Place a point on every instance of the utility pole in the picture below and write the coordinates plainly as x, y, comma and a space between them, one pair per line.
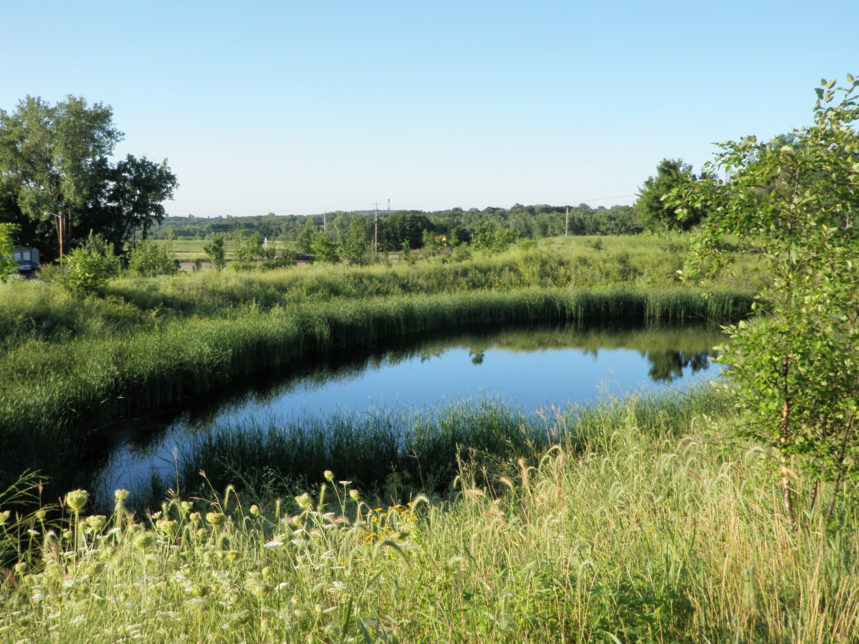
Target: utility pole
376, 227
325, 221
60, 230
389, 205
566, 221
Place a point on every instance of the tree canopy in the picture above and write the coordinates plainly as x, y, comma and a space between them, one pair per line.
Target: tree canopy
651, 208
793, 201
56, 159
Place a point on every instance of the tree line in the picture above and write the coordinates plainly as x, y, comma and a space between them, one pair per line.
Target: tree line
411, 226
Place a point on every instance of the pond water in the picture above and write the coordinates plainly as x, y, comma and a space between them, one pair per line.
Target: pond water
532, 368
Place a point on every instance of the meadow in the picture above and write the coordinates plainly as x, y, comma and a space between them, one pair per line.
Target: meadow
636, 519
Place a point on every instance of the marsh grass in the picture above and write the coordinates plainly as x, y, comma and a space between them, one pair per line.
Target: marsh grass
646, 523
56, 395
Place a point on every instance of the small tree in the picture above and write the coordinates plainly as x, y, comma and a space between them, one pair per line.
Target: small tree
651, 208
89, 267
149, 258
8, 267
214, 250
251, 249
797, 363
324, 249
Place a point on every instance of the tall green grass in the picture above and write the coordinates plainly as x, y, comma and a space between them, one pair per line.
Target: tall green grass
53, 395
647, 522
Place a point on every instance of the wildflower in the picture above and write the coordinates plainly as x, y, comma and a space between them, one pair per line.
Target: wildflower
20, 568
215, 518
187, 505
4, 516
200, 590
144, 540
254, 510
166, 526
274, 543
120, 495
355, 495
76, 499
303, 501
329, 475
96, 522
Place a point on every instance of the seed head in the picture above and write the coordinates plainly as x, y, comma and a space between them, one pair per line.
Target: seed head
215, 518
144, 540
76, 499
96, 522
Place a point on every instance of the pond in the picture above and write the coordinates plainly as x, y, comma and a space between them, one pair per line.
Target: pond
532, 368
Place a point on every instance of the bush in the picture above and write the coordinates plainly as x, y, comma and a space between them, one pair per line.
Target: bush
149, 258
89, 267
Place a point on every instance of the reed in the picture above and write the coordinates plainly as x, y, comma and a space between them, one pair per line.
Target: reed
55, 394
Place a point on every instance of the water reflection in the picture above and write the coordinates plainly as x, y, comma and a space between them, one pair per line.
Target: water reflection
531, 367
668, 366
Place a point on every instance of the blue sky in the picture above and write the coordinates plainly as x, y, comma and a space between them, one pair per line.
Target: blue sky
300, 107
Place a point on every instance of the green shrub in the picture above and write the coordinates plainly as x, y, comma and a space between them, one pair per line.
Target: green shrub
89, 267
150, 259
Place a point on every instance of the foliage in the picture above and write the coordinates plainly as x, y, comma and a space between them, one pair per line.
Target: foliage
492, 235
651, 207
794, 204
251, 249
407, 227
56, 158
324, 249
357, 247
89, 267
150, 259
8, 266
214, 250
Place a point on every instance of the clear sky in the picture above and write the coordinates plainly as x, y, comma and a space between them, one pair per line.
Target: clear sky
299, 107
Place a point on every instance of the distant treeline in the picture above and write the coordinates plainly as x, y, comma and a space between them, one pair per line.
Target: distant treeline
413, 226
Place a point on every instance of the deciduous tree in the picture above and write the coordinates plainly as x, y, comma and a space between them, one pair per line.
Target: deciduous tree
56, 159
793, 202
